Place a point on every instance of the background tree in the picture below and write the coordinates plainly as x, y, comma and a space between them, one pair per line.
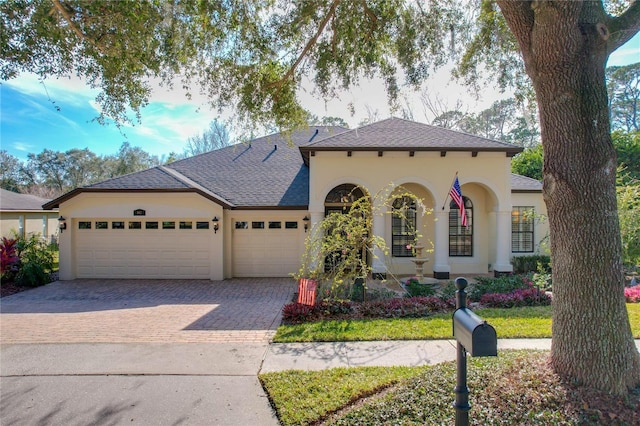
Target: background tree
442, 113
49, 166
9, 171
627, 147
215, 137
629, 214
81, 168
314, 120
623, 85
528, 162
132, 159
252, 56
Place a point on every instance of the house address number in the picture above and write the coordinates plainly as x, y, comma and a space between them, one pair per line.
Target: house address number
139, 212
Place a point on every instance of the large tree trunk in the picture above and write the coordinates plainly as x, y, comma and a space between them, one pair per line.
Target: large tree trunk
565, 57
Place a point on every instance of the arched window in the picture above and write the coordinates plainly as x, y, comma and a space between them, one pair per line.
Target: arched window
340, 198
460, 237
403, 227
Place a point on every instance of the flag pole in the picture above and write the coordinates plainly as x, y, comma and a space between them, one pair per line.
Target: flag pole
450, 186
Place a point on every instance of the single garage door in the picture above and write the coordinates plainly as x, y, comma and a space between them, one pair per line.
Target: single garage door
124, 248
266, 248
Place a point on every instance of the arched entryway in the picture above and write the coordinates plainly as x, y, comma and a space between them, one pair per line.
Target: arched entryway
342, 200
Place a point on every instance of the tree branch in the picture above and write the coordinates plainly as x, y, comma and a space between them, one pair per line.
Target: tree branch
310, 44
624, 27
67, 17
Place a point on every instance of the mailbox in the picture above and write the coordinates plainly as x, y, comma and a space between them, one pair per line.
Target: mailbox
474, 334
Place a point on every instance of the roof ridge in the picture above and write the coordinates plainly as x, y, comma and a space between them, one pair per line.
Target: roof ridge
193, 184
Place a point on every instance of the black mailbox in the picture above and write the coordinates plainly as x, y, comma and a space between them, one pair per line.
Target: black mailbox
474, 334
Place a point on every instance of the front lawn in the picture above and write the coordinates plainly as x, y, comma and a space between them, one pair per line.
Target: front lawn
515, 388
525, 322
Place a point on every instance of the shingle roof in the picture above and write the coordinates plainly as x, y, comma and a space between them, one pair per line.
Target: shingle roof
397, 134
20, 202
269, 172
521, 183
265, 172
155, 178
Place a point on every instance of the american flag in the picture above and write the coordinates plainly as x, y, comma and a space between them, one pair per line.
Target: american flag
456, 196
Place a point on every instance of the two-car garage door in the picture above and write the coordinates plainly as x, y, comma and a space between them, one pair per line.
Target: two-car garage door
182, 248
155, 248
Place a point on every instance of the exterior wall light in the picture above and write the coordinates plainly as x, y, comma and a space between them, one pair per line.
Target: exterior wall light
215, 224
62, 223
306, 223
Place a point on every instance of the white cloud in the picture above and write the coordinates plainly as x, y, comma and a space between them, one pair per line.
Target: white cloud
23, 146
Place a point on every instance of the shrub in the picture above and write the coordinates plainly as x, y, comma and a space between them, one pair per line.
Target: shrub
412, 307
36, 261
632, 294
9, 259
533, 263
515, 299
542, 281
414, 288
329, 307
503, 284
295, 313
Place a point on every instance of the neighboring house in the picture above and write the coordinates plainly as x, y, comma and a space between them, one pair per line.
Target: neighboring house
240, 211
22, 214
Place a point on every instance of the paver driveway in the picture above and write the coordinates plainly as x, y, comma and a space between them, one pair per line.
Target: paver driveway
121, 311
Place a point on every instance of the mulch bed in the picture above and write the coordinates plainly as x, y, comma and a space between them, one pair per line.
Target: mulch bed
9, 288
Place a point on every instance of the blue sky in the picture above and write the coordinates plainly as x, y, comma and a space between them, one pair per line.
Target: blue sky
58, 114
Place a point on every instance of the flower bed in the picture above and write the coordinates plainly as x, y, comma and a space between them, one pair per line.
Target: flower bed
409, 307
504, 292
632, 294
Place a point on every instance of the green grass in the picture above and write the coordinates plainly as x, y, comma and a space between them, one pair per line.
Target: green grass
529, 322
302, 397
515, 388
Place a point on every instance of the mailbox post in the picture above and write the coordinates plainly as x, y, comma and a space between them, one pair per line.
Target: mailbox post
474, 336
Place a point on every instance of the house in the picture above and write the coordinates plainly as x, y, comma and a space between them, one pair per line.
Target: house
245, 210
22, 214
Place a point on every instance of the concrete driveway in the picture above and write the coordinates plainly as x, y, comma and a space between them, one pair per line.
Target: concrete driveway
116, 352
126, 311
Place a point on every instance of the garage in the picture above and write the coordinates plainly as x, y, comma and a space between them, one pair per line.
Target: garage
266, 248
149, 248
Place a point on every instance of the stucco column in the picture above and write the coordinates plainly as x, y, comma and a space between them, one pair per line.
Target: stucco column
441, 268
66, 267
315, 233
503, 243
377, 263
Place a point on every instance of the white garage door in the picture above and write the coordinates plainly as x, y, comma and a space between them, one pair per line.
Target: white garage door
266, 248
117, 248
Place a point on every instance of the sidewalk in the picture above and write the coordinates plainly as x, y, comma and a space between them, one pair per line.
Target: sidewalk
319, 356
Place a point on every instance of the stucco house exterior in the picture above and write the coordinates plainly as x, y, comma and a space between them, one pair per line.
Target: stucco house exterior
245, 210
22, 214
